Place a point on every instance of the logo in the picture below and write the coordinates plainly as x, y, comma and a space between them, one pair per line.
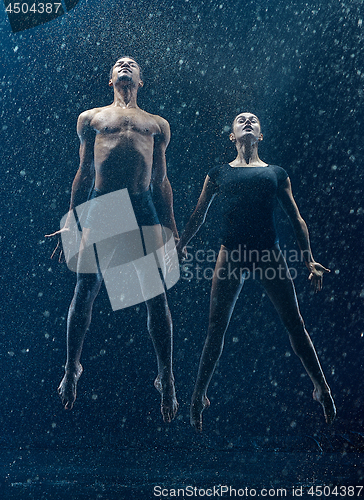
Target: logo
29, 14
137, 262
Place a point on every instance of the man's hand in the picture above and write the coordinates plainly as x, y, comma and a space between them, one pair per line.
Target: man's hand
58, 249
317, 272
181, 251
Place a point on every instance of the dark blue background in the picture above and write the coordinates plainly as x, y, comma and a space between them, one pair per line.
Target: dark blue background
299, 66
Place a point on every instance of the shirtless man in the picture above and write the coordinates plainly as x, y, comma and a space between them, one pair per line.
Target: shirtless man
121, 147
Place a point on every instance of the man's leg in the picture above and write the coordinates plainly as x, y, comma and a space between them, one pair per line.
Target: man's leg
89, 279
78, 321
159, 321
160, 329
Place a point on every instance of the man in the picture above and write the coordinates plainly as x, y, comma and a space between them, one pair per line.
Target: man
122, 147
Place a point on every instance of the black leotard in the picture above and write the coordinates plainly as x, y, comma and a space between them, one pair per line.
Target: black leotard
248, 197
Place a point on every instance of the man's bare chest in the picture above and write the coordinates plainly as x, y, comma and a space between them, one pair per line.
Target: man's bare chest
109, 122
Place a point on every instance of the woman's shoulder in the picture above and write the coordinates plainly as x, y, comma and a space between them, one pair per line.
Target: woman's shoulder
215, 172
280, 172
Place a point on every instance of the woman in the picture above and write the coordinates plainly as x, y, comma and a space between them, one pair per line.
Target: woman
250, 189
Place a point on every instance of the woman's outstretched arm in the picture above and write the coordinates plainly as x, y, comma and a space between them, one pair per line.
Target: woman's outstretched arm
289, 205
198, 217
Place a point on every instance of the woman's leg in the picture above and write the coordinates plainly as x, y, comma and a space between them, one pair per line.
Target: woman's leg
226, 286
279, 286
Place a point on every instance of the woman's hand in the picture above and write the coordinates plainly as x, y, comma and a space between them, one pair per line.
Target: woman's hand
59, 243
317, 272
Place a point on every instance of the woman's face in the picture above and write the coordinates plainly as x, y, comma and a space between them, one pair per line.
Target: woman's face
246, 125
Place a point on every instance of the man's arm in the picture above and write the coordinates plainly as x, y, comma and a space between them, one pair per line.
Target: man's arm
84, 177
161, 187
198, 217
289, 205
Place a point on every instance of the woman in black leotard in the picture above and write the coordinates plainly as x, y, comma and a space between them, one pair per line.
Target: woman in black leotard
249, 190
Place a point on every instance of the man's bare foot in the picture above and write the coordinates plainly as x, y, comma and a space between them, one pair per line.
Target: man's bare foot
327, 403
197, 407
169, 403
68, 387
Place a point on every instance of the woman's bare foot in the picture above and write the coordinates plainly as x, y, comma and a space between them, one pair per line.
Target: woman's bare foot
169, 403
68, 387
327, 403
198, 405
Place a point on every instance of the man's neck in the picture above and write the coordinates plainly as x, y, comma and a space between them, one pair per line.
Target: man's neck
126, 97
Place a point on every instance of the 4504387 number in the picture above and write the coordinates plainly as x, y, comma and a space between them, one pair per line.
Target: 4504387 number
33, 8
337, 491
